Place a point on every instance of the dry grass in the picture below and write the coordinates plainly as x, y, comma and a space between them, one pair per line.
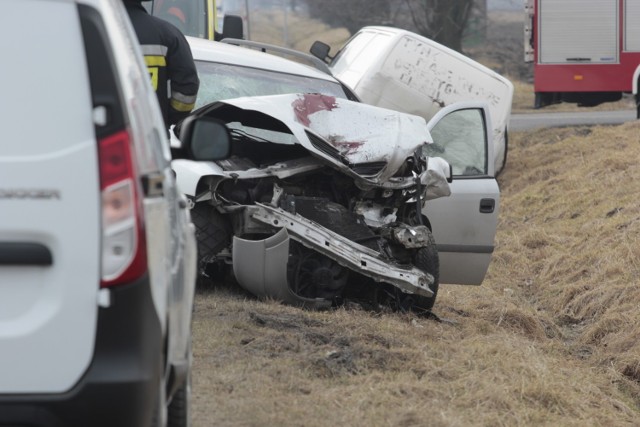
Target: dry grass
523, 101
550, 338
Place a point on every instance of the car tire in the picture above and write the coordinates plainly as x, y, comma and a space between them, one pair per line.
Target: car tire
213, 233
426, 259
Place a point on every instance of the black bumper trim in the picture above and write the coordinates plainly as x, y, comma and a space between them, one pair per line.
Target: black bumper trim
120, 386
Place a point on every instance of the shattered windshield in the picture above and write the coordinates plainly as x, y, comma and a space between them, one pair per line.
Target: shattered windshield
225, 81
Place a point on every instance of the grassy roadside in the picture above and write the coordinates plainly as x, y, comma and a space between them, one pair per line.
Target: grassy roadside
550, 338
523, 101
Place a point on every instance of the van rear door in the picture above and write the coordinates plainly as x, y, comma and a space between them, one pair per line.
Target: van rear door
49, 201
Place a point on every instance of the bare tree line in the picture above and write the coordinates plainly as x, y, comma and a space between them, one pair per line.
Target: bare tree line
445, 21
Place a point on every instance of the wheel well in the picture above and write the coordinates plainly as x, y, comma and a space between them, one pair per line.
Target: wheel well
506, 151
425, 221
201, 187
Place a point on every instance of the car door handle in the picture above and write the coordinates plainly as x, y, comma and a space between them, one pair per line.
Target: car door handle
24, 253
487, 205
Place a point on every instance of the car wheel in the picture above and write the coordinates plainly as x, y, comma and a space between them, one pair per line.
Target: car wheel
313, 275
213, 233
426, 259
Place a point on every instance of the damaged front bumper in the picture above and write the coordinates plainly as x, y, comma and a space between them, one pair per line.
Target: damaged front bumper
260, 266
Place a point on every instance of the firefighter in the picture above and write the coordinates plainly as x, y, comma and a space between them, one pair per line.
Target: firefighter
169, 61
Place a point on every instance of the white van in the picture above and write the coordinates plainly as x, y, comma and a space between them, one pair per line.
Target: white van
403, 71
97, 250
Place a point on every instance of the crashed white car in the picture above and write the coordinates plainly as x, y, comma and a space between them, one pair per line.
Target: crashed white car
463, 224
322, 198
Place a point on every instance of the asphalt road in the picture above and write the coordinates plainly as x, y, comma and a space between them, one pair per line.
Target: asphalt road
520, 122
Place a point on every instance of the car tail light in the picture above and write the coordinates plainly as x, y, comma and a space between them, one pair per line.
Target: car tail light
123, 240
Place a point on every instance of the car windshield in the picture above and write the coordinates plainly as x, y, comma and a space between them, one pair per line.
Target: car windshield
225, 81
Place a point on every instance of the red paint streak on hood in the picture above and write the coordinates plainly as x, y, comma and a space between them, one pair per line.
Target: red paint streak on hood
345, 147
350, 147
312, 103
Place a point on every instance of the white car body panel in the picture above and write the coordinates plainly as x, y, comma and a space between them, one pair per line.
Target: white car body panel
210, 51
189, 173
403, 71
464, 234
360, 132
353, 130
38, 302
48, 200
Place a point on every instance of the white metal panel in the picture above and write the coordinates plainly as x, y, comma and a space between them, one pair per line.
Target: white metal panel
361, 133
210, 51
578, 31
632, 26
48, 313
362, 52
464, 233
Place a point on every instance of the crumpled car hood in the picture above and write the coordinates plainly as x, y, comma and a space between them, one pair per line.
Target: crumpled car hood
360, 133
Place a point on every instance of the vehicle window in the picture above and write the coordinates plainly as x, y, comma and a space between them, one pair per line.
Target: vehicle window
460, 139
225, 81
190, 16
360, 52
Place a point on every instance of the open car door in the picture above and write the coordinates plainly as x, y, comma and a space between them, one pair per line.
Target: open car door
464, 224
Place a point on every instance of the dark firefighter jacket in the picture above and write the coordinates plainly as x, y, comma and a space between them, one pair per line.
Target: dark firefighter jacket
169, 61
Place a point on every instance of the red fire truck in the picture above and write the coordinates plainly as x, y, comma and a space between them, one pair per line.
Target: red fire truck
584, 51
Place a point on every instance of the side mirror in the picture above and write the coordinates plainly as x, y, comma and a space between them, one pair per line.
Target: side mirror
232, 27
205, 138
320, 50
